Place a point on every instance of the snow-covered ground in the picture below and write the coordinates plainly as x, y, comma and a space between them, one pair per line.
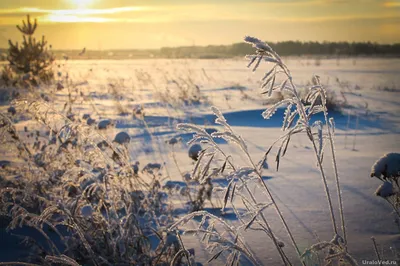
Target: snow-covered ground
371, 87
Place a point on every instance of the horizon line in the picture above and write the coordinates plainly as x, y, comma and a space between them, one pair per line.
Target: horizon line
208, 45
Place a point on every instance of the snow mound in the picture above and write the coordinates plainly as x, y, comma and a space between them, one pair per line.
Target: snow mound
122, 138
104, 124
194, 151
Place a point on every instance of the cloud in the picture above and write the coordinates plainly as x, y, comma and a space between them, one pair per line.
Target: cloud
12, 16
339, 18
251, 11
338, 1
24, 10
391, 4
16, 12
74, 19
169, 19
9, 16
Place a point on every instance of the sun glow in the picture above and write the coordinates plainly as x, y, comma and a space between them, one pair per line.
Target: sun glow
80, 4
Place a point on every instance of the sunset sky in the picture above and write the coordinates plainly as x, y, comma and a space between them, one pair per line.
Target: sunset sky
124, 24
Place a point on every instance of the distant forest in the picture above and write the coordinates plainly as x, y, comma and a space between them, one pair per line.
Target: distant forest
287, 48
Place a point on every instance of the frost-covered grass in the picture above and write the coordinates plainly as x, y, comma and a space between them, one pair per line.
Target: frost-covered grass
297, 117
94, 171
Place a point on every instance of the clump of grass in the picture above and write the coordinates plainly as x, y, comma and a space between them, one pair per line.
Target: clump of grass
180, 92
180, 89
115, 88
89, 204
196, 193
214, 162
332, 102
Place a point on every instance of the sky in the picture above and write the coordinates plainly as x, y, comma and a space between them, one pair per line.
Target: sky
149, 24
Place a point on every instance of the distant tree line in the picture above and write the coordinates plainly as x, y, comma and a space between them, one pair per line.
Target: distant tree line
287, 48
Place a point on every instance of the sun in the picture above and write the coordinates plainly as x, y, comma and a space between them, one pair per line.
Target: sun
81, 4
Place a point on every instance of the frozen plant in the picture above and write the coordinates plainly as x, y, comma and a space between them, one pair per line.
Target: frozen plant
152, 168
297, 120
297, 116
387, 169
385, 190
71, 188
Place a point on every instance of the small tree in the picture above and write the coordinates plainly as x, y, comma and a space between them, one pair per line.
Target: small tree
33, 56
